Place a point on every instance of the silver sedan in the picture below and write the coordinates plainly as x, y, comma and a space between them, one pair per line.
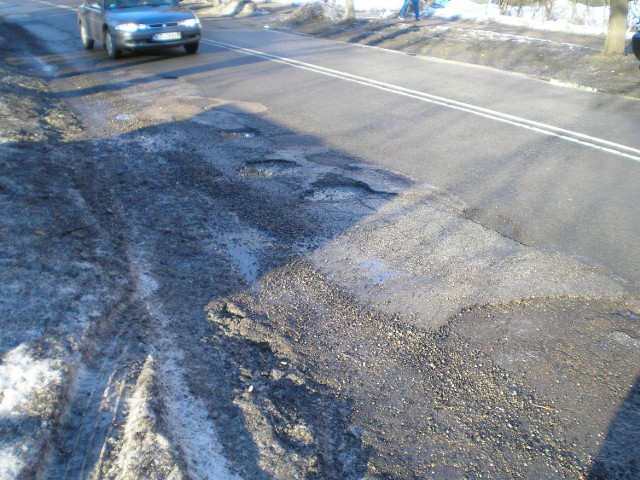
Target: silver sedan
138, 25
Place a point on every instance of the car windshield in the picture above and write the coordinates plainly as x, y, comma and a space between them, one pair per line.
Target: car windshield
139, 3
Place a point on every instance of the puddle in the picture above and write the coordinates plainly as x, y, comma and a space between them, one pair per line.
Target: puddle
243, 250
265, 168
244, 259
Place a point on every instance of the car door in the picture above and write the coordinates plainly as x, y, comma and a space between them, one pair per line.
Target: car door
94, 13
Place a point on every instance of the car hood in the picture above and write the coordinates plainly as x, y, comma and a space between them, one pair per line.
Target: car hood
149, 15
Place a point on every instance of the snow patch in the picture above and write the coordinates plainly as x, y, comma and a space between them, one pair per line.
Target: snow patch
147, 285
21, 376
27, 396
10, 465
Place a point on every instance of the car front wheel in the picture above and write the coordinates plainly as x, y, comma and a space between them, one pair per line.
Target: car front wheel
110, 45
87, 41
191, 47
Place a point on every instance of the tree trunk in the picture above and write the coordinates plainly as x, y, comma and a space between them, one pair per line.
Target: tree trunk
349, 11
615, 41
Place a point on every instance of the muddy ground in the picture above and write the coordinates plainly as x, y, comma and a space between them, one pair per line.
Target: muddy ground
193, 292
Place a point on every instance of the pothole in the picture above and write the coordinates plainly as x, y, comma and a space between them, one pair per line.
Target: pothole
333, 194
265, 168
624, 339
335, 187
239, 133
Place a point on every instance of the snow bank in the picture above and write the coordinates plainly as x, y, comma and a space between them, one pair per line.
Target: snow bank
564, 16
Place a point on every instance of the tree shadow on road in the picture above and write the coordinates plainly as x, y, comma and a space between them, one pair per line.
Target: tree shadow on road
168, 215
619, 456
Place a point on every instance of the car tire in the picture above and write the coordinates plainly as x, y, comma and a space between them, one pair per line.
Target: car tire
87, 41
110, 45
191, 48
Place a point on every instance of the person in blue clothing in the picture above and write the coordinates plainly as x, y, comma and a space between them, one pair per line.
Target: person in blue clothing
635, 45
416, 9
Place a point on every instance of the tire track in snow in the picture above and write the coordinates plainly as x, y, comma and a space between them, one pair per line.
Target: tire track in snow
186, 417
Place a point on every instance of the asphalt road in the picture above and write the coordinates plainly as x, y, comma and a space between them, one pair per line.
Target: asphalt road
561, 166
358, 322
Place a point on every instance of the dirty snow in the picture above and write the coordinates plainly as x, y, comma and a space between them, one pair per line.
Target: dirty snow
23, 380
20, 376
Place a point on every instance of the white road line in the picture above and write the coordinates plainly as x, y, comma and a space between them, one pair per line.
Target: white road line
542, 128
538, 127
56, 5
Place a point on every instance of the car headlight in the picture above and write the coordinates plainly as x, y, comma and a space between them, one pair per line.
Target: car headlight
130, 27
192, 22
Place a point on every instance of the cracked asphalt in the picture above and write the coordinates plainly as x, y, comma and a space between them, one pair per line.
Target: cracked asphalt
196, 292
